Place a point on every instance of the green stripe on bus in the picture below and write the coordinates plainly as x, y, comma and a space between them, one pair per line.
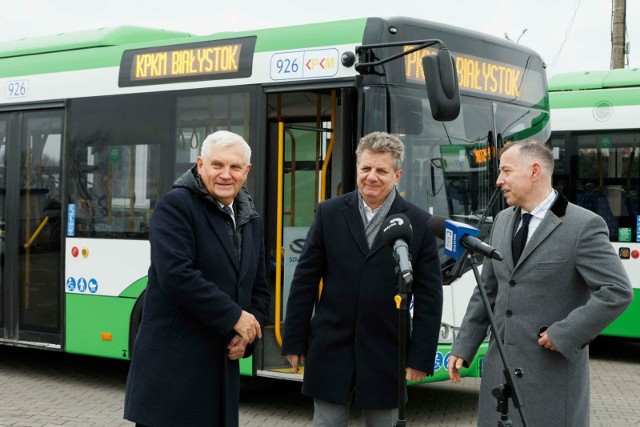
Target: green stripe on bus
589, 98
586, 89
246, 366
103, 37
627, 324
84, 58
92, 319
538, 126
587, 80
135, 289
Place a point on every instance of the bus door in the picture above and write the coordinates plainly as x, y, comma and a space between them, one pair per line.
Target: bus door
310, 159
30, 227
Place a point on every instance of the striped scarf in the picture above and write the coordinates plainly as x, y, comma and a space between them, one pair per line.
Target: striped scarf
371, 228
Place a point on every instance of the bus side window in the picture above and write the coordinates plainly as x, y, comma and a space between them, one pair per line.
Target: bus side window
115, 175
593, 199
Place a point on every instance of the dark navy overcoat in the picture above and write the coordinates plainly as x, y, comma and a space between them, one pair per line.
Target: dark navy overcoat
180, 374
352, 341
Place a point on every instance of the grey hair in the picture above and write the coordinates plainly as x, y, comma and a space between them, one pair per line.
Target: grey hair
534, 150
223, 138
382, 142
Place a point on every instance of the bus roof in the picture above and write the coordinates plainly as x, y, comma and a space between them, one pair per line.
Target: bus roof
103, 48
111, 50
102, 37
585, 80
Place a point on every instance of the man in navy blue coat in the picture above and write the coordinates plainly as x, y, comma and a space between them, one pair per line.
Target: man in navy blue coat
350, 348
206, 298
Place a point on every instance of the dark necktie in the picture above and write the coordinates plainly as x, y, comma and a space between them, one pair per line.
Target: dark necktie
235, 233
520, 238
229, 212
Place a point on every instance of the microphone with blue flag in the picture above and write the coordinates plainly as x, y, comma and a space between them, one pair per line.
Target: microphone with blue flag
459, 237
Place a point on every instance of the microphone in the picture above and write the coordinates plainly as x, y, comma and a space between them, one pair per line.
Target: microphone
457, 235
397, 232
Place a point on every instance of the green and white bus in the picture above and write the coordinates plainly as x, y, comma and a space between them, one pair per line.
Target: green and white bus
596, 141
95, 127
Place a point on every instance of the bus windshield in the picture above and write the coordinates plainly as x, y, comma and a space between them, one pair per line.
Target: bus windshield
450, 167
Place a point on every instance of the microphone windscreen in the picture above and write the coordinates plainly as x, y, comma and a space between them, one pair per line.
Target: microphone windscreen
436, 225
396, 227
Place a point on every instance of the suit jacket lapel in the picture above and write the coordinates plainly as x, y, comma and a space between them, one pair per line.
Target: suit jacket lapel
352, 216
551, 221
504, 237
219, 227
247, 245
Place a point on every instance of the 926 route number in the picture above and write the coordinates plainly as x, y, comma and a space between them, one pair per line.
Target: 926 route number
17, 89
287, 65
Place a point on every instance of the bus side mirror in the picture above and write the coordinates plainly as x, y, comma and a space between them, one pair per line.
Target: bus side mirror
442, 85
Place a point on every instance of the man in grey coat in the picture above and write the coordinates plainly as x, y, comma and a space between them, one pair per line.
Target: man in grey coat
566, 287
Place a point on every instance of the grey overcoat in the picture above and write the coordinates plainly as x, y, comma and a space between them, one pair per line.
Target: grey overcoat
568, 280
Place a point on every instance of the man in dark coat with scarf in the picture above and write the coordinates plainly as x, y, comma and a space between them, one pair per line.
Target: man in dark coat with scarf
350, 347
206, 298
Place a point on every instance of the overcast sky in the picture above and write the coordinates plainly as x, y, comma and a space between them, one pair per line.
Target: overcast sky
571, 35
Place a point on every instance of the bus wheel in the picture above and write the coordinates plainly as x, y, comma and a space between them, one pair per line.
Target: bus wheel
134, 324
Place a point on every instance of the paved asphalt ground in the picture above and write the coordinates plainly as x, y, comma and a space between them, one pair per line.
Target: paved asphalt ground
39, 388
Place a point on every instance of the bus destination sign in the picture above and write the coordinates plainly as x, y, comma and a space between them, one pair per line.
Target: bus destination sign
208, 60
475, 74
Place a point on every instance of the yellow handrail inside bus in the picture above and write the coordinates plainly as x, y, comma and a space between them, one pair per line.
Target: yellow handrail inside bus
325, 164
35, 233
27, 246
292, 180
279, 250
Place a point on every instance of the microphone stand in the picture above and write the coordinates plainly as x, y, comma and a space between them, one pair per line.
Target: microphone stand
509, 389
402, 304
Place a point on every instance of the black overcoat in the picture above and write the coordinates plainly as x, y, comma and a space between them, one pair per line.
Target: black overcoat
351, 343
180, 374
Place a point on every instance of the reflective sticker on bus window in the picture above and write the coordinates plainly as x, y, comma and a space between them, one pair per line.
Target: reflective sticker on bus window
71, 220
